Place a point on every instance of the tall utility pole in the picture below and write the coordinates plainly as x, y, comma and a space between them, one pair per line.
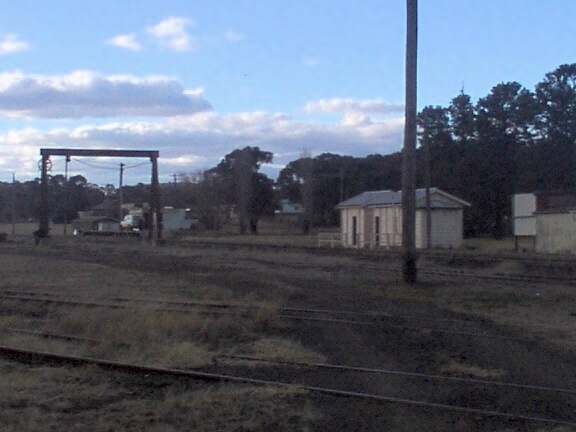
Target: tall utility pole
120, 196
409, 270
67, 195
13, 203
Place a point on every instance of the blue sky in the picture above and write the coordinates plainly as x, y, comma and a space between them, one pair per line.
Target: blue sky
198, 79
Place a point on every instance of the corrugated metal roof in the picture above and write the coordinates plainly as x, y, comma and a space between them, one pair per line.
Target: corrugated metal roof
387, 197
372, 198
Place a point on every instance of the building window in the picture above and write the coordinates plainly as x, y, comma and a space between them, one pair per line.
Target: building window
377, 230
354, 231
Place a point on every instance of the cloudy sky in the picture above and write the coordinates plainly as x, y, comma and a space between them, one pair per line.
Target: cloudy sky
196, 79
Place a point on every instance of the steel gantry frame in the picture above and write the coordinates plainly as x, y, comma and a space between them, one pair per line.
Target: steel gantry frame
155, 210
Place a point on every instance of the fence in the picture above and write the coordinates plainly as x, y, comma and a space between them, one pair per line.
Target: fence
329, 239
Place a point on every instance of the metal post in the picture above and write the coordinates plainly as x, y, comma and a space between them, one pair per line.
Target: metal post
120, 196
155, 203
67, 196
44, 212
13, 203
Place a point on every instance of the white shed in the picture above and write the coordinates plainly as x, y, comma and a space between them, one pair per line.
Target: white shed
556, 221
108, 225
175, 219
374, 219
523, 208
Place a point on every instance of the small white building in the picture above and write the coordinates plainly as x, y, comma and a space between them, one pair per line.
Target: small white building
555, 216
523, 208
175, 219
374, 219
108, 225
523, 217
289, 208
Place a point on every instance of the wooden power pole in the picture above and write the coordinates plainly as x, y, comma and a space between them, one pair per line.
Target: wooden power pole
409, 270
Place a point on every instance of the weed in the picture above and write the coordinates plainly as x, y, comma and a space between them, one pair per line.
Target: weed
463, 369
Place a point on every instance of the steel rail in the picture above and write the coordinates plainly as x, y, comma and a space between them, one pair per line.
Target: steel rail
376, 257
28, 356
33, 296
340, 367
400, 373
282, 316
24, 295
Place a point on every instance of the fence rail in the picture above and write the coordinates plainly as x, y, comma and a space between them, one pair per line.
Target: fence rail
329, 239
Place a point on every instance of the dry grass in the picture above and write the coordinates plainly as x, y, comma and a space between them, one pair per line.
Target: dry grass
143, 335
468, 370
51, 398
260, 281
277, 349
547, 311
218, 409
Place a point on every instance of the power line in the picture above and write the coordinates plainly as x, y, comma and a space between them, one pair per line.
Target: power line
93, 165
137, 165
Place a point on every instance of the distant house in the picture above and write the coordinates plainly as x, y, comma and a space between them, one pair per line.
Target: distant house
523, 208
88, 223
523, 217
288, 208
374, 219
108, 208
174, 219
555, 217
108, 225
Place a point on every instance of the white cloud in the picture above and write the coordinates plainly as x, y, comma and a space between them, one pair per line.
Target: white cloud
354, 112
232, 36
343, 106
172, 33
10, 43
313, 61
87, 94
188, 143
127, 41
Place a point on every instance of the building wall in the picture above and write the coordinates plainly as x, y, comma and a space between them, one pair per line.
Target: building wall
175, 219
556, 233
390, 224
347, 216
447, 231
109, 226
447, 228
523, 208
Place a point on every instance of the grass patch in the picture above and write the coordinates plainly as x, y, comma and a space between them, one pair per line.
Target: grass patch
468, 370
279, 349
235, 408
54, 398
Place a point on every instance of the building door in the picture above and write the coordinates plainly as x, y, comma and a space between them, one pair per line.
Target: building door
354, 231
377, 230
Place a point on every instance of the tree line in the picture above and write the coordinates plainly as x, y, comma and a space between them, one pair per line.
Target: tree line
512, 140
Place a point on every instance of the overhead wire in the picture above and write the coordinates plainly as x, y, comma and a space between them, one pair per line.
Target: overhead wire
137, 165
96, 166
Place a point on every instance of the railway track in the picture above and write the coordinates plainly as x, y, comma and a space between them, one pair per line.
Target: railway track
467, 338
446, 263
329, 366
380, 320
39, 357
224, 368
435, 263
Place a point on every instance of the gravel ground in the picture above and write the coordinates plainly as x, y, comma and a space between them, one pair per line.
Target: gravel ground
460, 327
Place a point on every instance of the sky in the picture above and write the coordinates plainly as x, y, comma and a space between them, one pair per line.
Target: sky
197, 79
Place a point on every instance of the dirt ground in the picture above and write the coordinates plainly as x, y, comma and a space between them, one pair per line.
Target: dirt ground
460, 327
